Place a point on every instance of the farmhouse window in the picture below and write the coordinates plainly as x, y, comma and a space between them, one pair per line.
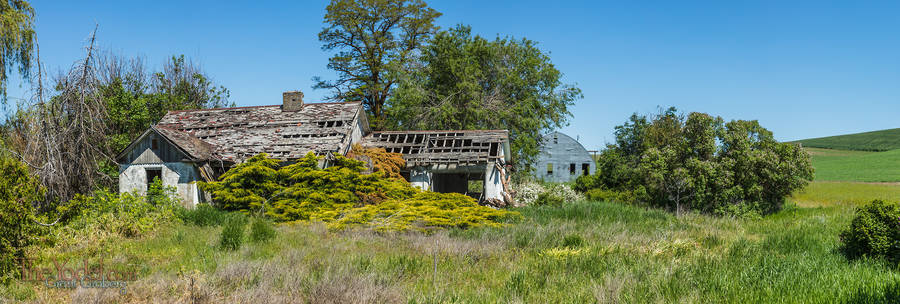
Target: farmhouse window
585, 169
152, 175
571, 169
550, 169
154, 144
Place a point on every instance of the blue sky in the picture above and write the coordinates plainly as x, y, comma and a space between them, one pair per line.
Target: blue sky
803, 69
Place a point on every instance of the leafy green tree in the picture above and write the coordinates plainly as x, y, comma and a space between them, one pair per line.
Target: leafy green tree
699, 162
464, 81
136, 98
373, 39
17, 39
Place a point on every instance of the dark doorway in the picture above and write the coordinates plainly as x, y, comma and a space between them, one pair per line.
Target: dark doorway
152, 175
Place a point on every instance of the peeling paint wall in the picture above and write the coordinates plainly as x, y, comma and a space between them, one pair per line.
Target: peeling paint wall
559, 153
493, 184
133, 178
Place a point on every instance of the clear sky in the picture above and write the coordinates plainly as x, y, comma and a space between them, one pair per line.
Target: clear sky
803, 69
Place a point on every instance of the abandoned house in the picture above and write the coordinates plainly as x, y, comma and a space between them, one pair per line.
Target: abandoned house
200, 145
562, 159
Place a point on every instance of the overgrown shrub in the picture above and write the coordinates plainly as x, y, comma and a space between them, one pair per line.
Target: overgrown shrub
875, 232
233, 233
342, 195
126, 214
527, 192
302, 191
18, 190
261, 230
558, 194
698, 162
425, 211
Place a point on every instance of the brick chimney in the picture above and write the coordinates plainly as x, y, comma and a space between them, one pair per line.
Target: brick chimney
293, 101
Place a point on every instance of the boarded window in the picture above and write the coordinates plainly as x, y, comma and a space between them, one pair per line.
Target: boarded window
571, 169
154, 144
585, 169
549, 169
152, 175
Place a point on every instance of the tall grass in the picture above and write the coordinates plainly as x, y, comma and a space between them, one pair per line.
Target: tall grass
577, 253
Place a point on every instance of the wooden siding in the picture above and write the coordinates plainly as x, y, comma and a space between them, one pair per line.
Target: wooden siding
142, 152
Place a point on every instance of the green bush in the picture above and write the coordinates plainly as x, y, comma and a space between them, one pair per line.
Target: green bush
261, 230
557, 195
233, 233
126, 214
18, 190
548, 199
343, 196
875, 232
698, 162
204, 215
302, 191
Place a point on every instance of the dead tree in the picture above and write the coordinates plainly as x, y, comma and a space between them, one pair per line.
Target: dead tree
65, 136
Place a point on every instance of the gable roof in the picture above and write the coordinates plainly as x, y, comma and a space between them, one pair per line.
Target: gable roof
234, 134
193, 148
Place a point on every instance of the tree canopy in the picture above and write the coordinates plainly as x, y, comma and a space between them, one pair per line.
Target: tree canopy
700, 162
372, 38
17, 39
464, 81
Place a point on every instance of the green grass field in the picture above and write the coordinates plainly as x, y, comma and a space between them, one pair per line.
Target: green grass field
882, 140
859, 166
583, 252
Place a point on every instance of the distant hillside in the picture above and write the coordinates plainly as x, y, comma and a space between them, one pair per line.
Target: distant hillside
883, 140
857, 166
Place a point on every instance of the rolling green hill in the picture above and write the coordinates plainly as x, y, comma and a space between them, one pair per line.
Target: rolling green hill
857, 166
883, 140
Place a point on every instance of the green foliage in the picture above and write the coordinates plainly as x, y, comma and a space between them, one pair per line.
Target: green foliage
699, 162
301, 191
17, 39
18, 190
466, 82
554, 194
134, 102
203, 215
261, 230
233, 233
882, 140
874, 232
373, 39
425, 211
127, 214
341, 194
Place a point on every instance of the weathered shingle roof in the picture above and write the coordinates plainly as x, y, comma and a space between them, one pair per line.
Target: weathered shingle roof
195, 147
234, 134
425, 148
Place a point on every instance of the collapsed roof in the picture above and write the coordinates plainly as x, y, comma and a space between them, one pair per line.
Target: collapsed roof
444, 148
235, 134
